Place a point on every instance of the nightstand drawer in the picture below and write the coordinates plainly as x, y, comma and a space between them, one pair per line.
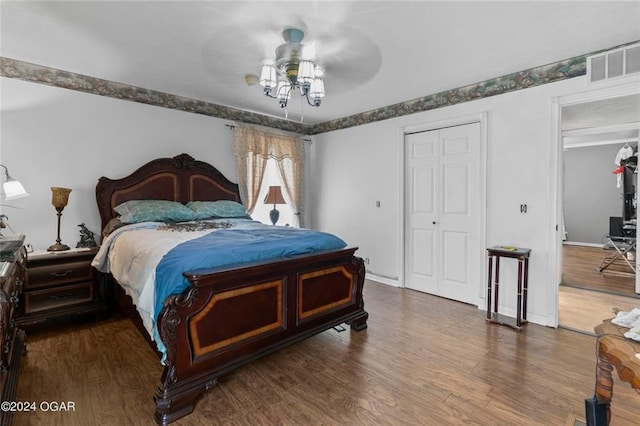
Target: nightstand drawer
58, 297
56, 274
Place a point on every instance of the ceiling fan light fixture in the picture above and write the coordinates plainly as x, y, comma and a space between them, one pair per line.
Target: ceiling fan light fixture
291, 72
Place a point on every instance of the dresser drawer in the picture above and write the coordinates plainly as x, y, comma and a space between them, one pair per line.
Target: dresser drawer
50, 274
59, 297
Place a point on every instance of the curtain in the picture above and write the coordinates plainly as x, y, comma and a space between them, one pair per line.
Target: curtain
253, 147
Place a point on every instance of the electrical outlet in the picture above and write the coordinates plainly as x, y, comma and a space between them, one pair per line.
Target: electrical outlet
366, 260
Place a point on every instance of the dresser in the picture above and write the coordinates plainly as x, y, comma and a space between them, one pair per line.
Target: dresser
12, 277
60, 285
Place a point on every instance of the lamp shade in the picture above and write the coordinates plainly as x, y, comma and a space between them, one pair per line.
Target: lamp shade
274, 196
306, 72
317, 88
284, 91
13, 189
268, 76
59, 196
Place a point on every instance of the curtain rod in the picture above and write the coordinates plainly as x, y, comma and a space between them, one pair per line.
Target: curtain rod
231, 126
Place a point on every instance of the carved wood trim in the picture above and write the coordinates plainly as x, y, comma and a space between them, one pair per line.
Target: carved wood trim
168, 322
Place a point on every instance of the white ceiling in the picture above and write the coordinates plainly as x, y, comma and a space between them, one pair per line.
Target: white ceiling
606, 121
375, 53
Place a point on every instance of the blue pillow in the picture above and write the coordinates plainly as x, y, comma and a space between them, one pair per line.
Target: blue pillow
136, 211
217, 209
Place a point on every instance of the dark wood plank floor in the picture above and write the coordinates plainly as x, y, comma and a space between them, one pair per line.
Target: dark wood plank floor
422, 361
579, 265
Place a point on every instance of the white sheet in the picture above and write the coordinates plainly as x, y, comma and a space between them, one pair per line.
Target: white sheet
131, 254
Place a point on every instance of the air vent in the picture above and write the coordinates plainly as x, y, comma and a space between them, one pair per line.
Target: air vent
614, 64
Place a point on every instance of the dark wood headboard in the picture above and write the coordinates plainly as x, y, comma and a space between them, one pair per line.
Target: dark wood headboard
180, 178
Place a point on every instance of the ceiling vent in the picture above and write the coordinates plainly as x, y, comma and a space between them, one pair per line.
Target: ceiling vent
614, 64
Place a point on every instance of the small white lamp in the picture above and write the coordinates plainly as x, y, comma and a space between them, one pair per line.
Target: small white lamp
13, 189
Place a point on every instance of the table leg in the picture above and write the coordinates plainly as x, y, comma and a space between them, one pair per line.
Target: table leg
496, 290
519, 304
489, 287
604, 383
525, 290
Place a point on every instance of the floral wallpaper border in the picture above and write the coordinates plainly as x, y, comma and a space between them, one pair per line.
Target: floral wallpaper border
558, 71
569, 68
14, 68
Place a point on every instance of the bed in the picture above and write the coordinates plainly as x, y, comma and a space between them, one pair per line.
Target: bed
230, 315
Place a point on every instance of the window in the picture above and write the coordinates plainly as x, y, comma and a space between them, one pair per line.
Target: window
261, 210
266, 158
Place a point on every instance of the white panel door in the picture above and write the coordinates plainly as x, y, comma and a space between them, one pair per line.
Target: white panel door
442, 212
421, 185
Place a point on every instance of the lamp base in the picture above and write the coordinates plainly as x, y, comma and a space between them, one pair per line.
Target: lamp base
274, 215
58, 247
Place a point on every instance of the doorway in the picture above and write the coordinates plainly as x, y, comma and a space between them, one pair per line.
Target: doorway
598, 218
442, 208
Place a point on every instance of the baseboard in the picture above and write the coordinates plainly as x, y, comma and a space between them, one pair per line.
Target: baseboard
383, 280
574, 243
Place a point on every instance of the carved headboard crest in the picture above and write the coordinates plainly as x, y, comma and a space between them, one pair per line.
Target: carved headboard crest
184, 161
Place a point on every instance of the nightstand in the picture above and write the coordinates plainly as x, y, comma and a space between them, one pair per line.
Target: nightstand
60, 284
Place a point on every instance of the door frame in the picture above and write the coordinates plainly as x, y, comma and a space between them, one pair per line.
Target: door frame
557, 171
481, 118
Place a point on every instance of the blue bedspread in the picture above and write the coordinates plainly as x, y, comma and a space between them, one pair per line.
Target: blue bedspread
226, 247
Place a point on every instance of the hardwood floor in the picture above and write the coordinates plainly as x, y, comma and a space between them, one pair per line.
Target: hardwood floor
586, 297
579, 269
422, 361
582, 309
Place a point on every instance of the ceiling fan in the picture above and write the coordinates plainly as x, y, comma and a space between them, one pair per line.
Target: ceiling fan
342, 57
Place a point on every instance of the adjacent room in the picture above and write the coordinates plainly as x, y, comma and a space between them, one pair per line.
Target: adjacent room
600, 145
319, 212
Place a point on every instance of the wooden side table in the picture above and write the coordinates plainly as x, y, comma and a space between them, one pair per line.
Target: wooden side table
60, 284
493, 284
614, 350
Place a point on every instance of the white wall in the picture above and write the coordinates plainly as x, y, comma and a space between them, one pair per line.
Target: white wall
357, 166
57, 137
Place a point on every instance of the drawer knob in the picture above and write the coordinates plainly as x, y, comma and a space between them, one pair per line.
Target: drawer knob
60, 274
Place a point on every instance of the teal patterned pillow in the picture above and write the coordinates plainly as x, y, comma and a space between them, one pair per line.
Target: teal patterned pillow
217, 209
136, 211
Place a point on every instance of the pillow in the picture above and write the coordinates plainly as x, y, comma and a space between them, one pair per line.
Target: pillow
136, 211
217, 209
112, 225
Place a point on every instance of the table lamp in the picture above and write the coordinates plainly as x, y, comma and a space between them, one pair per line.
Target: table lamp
59, 199
13, 189
274, 196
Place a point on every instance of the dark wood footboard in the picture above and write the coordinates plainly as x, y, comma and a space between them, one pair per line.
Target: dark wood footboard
229, 317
